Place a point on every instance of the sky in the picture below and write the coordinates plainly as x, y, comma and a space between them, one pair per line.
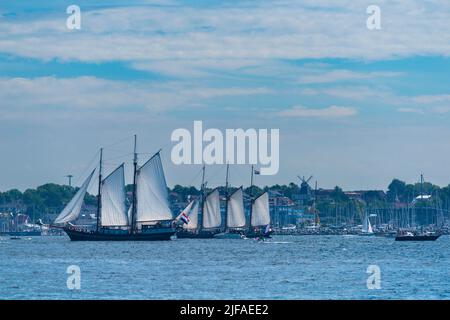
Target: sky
355, 107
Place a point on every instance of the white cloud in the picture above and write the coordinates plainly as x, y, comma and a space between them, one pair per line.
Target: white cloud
341, 75
439, 98
31, 97
410, 110
235, 34
330, 112
429, 110
442, 109
354, 92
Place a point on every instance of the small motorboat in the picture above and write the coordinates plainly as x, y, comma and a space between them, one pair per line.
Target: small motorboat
410, 236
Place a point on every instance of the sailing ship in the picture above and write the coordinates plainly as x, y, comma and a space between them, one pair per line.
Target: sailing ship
210, 217
367, 226
148, 218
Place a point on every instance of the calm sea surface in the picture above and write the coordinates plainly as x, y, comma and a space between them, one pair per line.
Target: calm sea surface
285, 267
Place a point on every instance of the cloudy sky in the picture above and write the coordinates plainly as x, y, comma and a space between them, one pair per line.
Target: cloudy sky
355, 107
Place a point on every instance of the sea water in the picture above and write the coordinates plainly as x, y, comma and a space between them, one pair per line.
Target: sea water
284, 267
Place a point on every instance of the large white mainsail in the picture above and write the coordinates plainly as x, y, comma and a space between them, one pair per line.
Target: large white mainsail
152, 195
113, 210
367, 227
73, 208
236, 213
211, 210
193, 216
261, 211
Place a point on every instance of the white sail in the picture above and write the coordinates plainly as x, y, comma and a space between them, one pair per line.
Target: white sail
152, 195
73, 208
236, 213
261, 211
367, 227
129, 213
113, 210
211, 210
185, 210
193, 217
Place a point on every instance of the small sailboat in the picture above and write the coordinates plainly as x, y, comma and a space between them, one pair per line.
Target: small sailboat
210, 219
367, 226
148, 218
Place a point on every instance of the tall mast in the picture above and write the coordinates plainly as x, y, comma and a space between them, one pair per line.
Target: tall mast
99, 200
202, 197
135, 162
226, 197
251, 201
421, 186
316, 216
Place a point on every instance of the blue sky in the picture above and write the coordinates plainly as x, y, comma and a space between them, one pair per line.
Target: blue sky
355, 107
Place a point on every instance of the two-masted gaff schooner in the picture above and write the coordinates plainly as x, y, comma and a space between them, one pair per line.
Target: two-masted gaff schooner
148, 217
204, 224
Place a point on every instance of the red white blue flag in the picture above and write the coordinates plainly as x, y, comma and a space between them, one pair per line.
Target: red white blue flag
185, 218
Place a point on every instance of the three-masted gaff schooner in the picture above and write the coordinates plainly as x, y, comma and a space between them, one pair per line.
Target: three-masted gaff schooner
204, 224
148, 218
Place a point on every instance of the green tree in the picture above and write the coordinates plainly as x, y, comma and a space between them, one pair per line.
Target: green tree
397, 188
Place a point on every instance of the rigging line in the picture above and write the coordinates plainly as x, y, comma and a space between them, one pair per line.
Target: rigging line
115, 150
118, 157
215, 174
118, 142
244, 179
195, 178
166, 146
82, 175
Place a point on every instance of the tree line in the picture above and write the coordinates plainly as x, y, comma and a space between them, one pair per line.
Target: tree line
50, 198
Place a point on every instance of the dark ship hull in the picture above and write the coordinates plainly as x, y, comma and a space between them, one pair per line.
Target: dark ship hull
232, 234
157, 234
202, 234
417, 238
253, 234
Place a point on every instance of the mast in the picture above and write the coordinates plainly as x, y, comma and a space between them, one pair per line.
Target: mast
251, 201
316, 215
99, 198
134, 201
202, 197
421, 186
226, 197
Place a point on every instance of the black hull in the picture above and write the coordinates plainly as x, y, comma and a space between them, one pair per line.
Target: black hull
153, 235
417, 238
252, 235
182, 234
